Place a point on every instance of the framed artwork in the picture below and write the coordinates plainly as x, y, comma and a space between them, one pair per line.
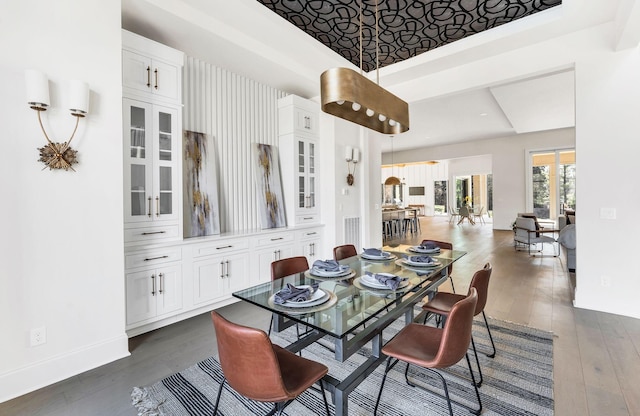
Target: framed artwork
201, 214
268, 185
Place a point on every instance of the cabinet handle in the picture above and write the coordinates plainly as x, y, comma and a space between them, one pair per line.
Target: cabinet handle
308, 218
161, 275
313, 232
276, 239
227, 269
222, 247
156, 258
149, 210
312, 249
222, 270
157, 206
148, 76
154, 232
307, 122
155, 71
153, 285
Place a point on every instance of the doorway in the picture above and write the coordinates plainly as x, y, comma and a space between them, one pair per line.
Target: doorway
551, 183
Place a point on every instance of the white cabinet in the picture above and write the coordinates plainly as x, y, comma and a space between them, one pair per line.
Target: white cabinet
151, 70
268, 249
152, 293
298, 141
310, 241
152, 154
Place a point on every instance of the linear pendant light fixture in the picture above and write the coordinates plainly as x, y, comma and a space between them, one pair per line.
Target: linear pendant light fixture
351, 96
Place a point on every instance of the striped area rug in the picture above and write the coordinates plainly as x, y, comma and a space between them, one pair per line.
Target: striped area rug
518, 381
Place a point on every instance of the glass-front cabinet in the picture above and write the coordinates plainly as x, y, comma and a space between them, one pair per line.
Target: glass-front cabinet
151, 162
306, 174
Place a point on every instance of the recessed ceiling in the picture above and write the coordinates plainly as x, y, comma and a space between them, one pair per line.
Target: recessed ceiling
405, 28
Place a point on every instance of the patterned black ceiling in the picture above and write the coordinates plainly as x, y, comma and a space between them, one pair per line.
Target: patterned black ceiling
406, 28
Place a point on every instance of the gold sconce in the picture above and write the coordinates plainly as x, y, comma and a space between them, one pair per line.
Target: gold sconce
351, 96
352, 156
56, 155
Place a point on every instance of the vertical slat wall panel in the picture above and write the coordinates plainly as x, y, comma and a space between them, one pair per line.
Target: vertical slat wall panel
237, 112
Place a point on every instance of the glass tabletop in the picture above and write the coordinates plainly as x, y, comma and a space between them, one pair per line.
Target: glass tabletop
345, 303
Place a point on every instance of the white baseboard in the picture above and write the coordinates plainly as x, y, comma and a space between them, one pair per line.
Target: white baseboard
46, 372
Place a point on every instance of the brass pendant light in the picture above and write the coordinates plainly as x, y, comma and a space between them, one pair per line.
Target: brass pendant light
351, 96
392, 180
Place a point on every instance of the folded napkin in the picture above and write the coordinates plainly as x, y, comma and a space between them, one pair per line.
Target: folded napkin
373, 252
293, 293
329, 266
421, 259
428, 245
391, 281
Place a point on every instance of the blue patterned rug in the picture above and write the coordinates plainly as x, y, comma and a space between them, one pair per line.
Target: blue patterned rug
518, 381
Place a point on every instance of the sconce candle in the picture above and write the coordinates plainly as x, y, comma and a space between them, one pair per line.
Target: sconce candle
356, 155
352, 156
348, 153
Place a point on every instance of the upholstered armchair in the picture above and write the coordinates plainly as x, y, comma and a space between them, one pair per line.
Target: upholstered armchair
528, 232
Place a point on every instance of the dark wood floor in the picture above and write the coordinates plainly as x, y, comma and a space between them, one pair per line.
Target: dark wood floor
596, 355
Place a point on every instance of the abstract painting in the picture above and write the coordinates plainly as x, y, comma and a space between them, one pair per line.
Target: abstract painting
269, 186
201, 215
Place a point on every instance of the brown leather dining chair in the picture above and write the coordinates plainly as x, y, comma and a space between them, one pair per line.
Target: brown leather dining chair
259, 370
445, 246
286, 267
442, 303
435, 348
344, 251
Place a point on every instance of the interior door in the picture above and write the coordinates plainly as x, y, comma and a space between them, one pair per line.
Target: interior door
551, 182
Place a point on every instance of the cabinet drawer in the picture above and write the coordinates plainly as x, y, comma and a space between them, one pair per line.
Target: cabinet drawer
274, 239
307, 219
155, 233
309, 234
152, 257
220, 247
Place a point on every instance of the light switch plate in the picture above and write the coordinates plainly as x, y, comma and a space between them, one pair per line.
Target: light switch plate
608, 213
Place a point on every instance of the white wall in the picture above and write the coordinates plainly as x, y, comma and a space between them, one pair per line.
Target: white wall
62, 245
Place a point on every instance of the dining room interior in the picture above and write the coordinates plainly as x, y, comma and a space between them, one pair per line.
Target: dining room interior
111, 288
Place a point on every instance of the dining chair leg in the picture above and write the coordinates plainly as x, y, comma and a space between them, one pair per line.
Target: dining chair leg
475, 353
493, 345
388, 367
444, 384
324, 397
453, 289
215, 408
475, 387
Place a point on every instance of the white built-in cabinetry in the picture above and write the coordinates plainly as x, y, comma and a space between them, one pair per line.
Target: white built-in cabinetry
298, 140
169, 278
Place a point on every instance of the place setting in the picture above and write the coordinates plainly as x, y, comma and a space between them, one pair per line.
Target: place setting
382, 283
418, 262
377, 255
325, 270
426, 247
302, 298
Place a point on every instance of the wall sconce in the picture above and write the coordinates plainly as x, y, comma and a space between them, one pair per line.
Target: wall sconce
56, 155
352, 156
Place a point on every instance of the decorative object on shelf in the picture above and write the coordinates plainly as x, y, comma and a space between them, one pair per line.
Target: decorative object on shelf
352, 156
353, 97
200, 185
56, 155
270, 195
392, 180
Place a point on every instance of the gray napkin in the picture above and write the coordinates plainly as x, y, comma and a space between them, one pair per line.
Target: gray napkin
392, 282
373, 252
329, 266
421, 259
293, 293
428, 245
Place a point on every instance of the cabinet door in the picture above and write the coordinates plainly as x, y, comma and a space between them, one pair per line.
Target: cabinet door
165, 163
141, 290
236, 273
306, 175
169, 286
136, 71
311, 250
138, 161
165, 79
208, 276
306, 121
265, 258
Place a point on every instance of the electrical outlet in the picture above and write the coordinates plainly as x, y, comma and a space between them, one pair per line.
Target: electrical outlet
38, 336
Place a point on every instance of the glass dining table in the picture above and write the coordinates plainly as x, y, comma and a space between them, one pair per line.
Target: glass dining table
352, 309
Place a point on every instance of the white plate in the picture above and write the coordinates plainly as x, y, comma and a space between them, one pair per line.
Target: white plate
371, 281
385, 256
318, 297
421, 264
418, 249
323, 273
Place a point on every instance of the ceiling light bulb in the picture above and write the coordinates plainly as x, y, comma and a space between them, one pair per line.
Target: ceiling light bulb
382, 117
340, 102
392, 122
370, 112
356, 106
